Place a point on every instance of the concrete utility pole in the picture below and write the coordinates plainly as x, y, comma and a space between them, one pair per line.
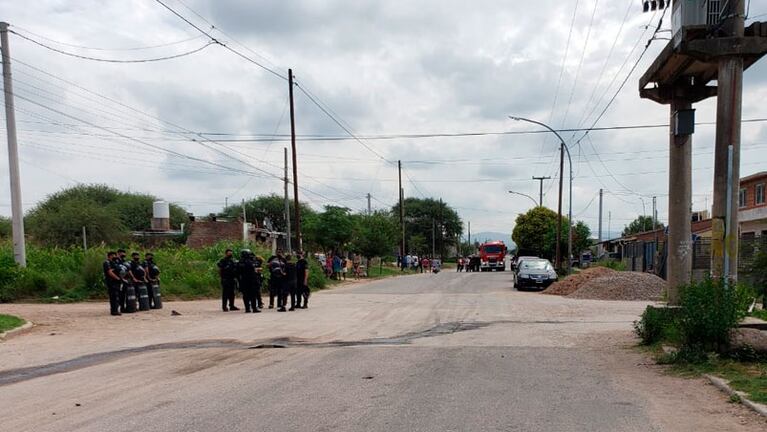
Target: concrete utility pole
297, 207
540, 193
609, 222
287, 204
401, 212
369, 208
600, 214
707, 45
85, 239
17, 212
724, 238
469, 233
433, 237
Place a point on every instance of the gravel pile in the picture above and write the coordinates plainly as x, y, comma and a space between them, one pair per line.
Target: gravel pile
573, 282
622, 286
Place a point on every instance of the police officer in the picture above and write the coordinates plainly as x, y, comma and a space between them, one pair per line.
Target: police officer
122, 271
276, 281
258, 262
290, 287
112, 282
246, 276
138, 278
153, 279
302, 281
227, 270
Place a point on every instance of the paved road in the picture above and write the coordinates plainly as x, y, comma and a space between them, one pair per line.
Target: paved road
446, 352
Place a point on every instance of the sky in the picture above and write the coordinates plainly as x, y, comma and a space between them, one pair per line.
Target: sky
210, 127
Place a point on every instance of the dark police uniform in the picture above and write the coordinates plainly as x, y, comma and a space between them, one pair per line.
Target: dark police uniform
139, 274
258, 263
302, 266
246, 275
291, 286
276, 278
152, 276
113, 287
228, 269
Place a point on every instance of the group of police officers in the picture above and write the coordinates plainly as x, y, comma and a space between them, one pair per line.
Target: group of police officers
132, 285
287, 279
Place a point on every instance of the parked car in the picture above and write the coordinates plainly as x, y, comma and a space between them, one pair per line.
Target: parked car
518, 260
535, 273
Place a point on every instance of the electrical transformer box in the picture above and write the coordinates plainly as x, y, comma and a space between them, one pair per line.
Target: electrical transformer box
693, 13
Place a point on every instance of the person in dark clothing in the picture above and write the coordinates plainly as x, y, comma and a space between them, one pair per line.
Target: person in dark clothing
227, 270
276, 280
246, 276
302, 281
122, 271
258, 262
112, 282
290, 286
153, 279
138, 277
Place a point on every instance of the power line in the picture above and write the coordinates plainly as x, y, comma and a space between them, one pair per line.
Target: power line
167, 44
98, 59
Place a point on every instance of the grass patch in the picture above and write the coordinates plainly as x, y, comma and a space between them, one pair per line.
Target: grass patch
9, 322
759, 313
748, 377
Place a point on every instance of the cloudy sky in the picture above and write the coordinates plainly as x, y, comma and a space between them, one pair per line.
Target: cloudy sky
200, 130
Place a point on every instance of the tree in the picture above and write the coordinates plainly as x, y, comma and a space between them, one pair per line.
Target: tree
271, 207
420, 216
375, 235
5, 227
641, 224
331, 229
108, 215
581, 238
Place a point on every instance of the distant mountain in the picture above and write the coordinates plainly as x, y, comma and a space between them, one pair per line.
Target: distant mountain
491, 236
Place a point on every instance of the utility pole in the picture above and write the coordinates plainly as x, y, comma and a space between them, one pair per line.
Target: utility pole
609, 222
724, 241
401, 212
287, 204
17, 213
369, 208
655, 230
441, 229
297, 207
433, 234
600, 214
244, 223
540, 193
469, 233
85, 239
559, 206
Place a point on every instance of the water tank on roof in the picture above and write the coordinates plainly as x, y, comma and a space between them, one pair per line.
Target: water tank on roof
160, 216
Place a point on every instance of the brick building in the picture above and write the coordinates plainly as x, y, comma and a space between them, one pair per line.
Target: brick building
752, 205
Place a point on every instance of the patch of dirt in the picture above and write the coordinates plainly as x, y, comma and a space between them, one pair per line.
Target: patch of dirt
622, 286
573, 282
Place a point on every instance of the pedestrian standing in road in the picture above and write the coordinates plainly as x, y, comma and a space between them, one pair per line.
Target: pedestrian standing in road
459, 264
122, 271
302, 280
336, 267
291, 283
246, 278
346, 266
329, 265
112, 282
227, 270
276, 277
406, 265
356, 265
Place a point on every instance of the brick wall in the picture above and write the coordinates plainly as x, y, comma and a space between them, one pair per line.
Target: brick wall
207, 233
749, 184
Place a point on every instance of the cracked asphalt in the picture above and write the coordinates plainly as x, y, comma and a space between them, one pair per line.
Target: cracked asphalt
445, 352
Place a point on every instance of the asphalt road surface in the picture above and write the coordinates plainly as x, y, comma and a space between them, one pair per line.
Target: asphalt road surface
445, 352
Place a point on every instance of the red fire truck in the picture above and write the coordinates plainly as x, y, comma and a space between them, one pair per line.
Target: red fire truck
492, 256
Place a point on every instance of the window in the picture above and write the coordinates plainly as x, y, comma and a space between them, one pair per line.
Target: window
742, 198
760, 193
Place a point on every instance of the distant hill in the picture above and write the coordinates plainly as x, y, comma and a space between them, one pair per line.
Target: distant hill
490, 236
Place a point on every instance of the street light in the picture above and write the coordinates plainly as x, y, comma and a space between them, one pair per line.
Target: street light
563, 149
525, 195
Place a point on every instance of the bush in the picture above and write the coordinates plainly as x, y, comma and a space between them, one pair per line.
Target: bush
658, 324
709, 310
611, 264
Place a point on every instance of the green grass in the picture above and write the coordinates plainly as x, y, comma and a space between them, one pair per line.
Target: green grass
9, 322
748, 377
759, 313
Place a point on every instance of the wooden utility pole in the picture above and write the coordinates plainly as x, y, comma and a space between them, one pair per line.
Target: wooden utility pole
724, 235
370, 212
297, 207
287, 205
559, 206
540, 189
401, 212
17, 212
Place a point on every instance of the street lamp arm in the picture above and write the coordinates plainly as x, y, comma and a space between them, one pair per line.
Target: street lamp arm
525, 195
